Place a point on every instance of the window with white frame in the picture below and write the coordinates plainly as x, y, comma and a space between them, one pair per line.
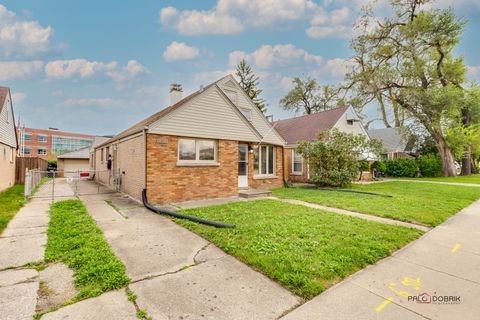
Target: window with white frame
247, 113
297, 162
11, 154
42, 151
197, 150
27, 136
27, 150
42, 138
264, 160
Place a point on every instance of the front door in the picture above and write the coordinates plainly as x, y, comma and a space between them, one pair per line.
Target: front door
242, 166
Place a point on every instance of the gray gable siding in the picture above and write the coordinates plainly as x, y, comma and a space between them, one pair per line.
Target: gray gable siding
210, 115
355, 128
7, 129
263, 126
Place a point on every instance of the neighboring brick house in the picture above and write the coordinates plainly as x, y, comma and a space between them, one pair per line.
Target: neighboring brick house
48, 144
208, 145
8, 140
307, 128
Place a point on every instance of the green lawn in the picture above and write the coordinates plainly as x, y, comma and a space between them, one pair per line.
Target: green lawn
306, 250
424, 203
11, 200
75, 239
474, 179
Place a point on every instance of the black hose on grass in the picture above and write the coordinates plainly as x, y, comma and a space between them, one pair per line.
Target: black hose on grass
354, 191
182, 216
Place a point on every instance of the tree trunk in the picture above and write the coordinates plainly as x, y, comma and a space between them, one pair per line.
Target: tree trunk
448, 162
467, 162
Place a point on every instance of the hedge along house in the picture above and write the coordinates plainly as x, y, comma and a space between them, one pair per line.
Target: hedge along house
208, 145
307, 128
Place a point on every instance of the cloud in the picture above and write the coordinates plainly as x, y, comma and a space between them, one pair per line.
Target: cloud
474, 71
203, 78
18, 97
280, 55
334, 24
280, 63
93, 102
235, 16
129, 72
177, 51
319, 32
62, 69
11, 70
19, 38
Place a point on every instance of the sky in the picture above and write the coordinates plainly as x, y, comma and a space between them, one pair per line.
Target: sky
99, 66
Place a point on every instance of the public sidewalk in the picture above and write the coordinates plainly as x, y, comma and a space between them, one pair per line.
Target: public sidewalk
23, 242
444, 262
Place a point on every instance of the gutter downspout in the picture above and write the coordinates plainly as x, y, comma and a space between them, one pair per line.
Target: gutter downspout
145, 152
283, 166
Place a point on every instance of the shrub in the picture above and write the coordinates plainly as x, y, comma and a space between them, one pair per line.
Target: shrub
401, 167
430, 165
363, 166
334, 157
379, 166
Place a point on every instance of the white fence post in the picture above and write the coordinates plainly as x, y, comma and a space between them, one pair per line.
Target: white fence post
28, 183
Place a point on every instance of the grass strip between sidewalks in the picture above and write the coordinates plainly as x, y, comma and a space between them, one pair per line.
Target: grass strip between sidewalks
76, 240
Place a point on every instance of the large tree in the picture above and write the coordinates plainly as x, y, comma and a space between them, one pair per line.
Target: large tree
308, 97
408, 60
250, 82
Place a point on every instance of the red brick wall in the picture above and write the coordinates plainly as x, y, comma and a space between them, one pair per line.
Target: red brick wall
167, 182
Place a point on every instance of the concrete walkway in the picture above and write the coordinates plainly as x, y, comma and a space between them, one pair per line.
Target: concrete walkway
177, 274
22, 242
354, 214
444, 262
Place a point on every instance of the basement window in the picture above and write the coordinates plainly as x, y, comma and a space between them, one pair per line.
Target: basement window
197, 152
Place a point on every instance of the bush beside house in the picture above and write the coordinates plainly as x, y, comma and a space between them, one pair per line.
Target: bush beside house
429, 165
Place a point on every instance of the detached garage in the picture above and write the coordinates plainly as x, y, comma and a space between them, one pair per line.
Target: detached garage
69, 163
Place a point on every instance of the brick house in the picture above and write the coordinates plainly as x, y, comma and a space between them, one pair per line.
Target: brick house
48, 144
306, 128
209, 144
8, 140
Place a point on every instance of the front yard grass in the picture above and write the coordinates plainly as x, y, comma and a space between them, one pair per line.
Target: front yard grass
75, 239
11, 200
424, 203
473, 179
306, 250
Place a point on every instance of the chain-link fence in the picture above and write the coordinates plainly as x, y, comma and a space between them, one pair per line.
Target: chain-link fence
56, 184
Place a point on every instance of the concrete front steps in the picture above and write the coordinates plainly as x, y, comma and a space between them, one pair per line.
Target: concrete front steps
253, 193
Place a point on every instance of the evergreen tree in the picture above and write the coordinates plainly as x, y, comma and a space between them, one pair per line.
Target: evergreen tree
249, 82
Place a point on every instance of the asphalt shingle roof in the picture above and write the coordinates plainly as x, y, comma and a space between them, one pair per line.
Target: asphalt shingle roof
393, 139
308, 126
83, 153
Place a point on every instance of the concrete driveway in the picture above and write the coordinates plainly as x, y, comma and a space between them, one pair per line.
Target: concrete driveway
179, 275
